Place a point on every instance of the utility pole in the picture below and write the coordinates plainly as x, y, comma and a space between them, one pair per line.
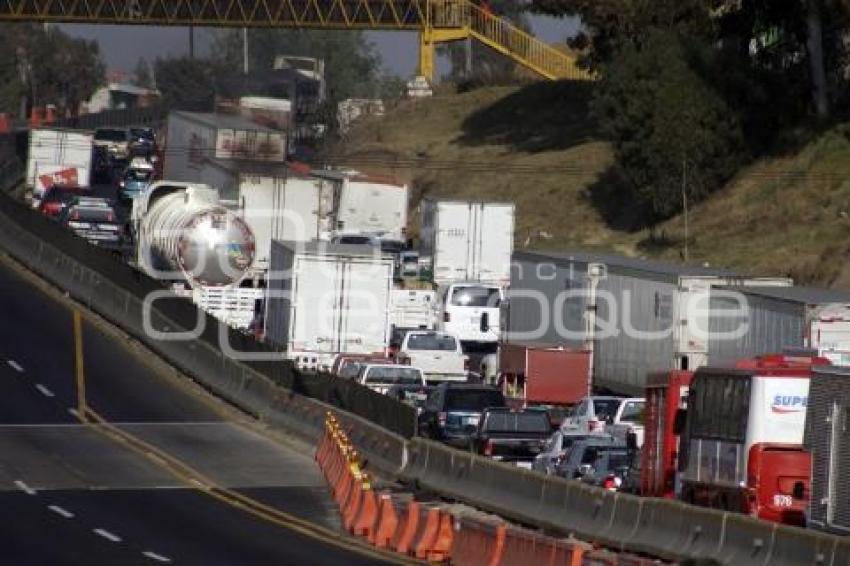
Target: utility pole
245, 51
685, 200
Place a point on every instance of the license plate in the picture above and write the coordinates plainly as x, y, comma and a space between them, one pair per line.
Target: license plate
524, 465
781, 500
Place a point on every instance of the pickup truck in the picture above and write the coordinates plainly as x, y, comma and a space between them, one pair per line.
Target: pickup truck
510, 435
617, 416
437, 354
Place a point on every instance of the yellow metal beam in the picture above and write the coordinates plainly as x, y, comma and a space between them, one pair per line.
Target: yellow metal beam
428, 40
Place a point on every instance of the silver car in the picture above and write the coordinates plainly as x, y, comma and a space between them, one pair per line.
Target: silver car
584, 453
557, 448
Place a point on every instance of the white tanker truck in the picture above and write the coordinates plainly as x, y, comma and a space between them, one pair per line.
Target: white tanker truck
184, 233
186, 236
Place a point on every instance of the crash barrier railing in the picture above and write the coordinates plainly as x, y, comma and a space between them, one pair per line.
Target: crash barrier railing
149, 116
657, 527
265, 389
427, 531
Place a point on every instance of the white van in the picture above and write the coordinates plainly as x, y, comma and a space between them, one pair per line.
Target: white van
470, 311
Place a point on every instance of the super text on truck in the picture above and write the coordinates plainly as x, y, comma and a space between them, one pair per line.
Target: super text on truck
741, 448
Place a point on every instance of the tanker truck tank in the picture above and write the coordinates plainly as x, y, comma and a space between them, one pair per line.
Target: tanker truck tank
185, 232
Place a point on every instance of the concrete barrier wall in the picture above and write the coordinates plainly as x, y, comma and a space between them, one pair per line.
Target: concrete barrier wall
658, 527
238, 383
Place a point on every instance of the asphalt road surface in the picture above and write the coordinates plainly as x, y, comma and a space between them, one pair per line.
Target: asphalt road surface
72, 495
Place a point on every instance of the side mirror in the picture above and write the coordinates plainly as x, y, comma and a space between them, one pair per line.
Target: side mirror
485, 322
679, 421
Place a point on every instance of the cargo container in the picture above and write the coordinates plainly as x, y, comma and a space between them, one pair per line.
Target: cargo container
327, 299
275, 200
468, 241
827, 438
546, 375
192, 138
666, 393
636, 316
781, 318
58, 156
742, 443
368, 204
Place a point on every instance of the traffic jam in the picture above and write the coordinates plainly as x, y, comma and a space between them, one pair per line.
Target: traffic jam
695, 383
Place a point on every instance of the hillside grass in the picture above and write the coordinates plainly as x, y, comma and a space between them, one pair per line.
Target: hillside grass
536, 146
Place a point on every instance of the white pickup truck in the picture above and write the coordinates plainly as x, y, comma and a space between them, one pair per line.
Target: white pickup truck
616, 416
437, 354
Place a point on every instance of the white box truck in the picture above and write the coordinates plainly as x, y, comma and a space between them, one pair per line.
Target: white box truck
468, 241
58, 156
192, 138
368, 204
327, 299
276, 202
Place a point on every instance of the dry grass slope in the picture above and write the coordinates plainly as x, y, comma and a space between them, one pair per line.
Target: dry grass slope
535, 146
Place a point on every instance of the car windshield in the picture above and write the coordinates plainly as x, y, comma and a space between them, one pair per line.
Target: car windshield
138, 175
606, 409
473, 399
521, 422
110, 135
350, 369
392, 247
438, 342
394, 374
632, 412
358, 240
475, 296
140, 133
92, 214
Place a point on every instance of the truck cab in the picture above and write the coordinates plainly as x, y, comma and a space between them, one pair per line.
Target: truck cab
741, 448
437, 354
470, 310
666, 394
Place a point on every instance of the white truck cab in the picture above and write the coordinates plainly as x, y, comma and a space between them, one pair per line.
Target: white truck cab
470, 310
437, 354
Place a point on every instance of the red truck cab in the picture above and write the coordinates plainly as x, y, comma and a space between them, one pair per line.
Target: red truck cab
666, 393
741, 447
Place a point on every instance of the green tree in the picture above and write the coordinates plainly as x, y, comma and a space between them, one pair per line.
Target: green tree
46, 66
669, 126
142, 74
187, 83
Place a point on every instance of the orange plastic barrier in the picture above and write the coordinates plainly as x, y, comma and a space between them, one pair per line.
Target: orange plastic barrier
477, 543
404, 539
367, 515
387, 522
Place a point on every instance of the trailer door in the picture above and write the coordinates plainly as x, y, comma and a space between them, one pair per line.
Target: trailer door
316, 304
493, 243
690, 330
455, 229
364, 306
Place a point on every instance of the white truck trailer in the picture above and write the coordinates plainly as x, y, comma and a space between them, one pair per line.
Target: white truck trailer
468, 241
276, 201
368, 204
327, 299
58, 156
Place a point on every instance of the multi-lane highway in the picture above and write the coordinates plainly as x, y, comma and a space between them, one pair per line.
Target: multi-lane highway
70, 494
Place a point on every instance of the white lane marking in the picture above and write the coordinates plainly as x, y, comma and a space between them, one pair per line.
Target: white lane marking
15, 366
74, 412
107, 535
60, 511
155, 556
24, 487
44, 390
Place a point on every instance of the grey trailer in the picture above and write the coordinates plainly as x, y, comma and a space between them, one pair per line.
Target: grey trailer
636, 316
827, 437
778, 319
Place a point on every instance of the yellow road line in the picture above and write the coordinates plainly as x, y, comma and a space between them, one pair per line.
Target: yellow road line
199, 482
79, 365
